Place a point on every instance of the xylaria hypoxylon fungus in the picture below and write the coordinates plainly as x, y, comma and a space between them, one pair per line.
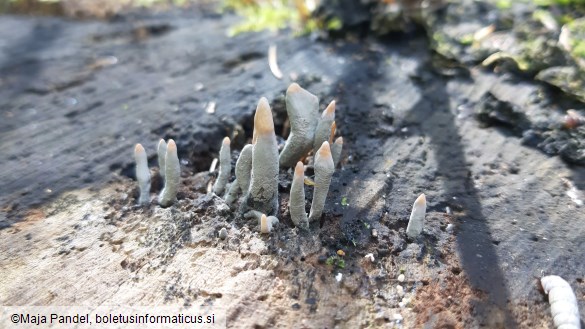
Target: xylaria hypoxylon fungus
172, 176
265, 225
161, 152
417, 217
324, 127
336, 149
225, 167
324, 169
297, 198
263, 192
243, 172
142, 174
302, 108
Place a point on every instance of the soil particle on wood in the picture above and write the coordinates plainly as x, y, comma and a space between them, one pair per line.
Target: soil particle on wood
67, 207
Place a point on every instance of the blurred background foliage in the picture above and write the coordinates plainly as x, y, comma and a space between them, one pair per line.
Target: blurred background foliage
541, 39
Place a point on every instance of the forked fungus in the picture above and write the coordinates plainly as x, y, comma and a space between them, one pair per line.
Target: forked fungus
142, 174
172, 176
303, 113
417, 217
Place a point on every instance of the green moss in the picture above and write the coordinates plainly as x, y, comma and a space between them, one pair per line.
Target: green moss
334, 24
578, 49
466, 40
331, 260
335, 261
504, 4
548, 3
265, 16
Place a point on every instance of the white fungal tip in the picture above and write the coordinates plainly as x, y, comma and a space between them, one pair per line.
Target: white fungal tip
138, 149
299, 169
324, 150
293, 88
226, 141
329, 112
417, 217
339, 141
421, 200
161, 142
265, 225
171, 146
263, 123
338, 277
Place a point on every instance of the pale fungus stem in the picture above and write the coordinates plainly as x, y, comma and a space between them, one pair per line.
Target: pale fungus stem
297, 198
225, 167
302, 108
417, 217
172, 176
142, 174
324, 169
263, 192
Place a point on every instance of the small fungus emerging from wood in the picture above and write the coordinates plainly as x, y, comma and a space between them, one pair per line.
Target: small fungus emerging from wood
297, 198
142, 174
336, 149
265, 225
324, 127
243, 172
263, 192
225, 167
417, 217
324, 169
161, 152
172, 176
303, 113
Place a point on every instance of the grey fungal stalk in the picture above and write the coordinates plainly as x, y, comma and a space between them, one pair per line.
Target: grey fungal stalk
172, 176
303, 113
263, 192
417, 217
161, 152
243, 172
563, 303
324, 127
142, 174
297, 198
323, 171
225, 167
336, 149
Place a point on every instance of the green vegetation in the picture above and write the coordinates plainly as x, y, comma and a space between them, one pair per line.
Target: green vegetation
94, 8
335, 261
275, 15
547, 3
